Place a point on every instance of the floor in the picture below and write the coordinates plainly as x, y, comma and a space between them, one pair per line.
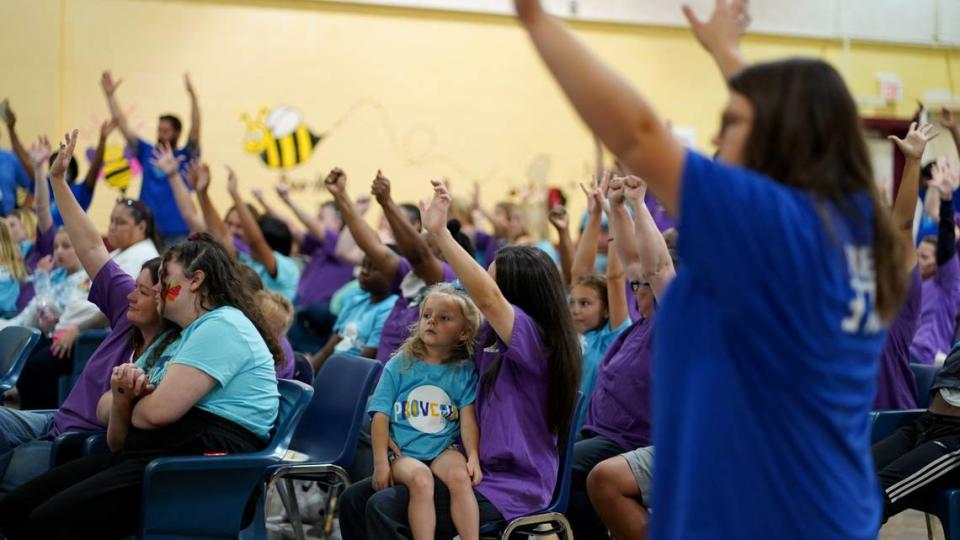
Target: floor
909, 526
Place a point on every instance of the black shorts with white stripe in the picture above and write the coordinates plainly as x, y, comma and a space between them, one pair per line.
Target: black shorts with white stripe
918, 461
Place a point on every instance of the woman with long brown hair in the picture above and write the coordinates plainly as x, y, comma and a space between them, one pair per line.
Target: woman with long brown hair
767, 340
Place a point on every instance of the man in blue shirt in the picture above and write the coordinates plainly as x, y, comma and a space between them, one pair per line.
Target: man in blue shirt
14, 168
155, 190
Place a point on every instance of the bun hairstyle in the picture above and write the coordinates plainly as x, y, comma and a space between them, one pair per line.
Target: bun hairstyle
454, 227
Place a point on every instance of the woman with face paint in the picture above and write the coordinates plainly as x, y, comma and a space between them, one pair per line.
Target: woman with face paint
202, 394
131, 308
764, 358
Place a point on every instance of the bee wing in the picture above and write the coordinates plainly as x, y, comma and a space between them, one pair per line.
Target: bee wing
284, 120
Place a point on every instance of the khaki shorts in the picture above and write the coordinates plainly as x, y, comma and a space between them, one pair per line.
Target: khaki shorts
641, 465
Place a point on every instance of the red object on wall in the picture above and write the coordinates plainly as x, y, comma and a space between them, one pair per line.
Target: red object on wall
886, 127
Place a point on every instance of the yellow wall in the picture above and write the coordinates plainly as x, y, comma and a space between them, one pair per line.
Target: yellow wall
421, 94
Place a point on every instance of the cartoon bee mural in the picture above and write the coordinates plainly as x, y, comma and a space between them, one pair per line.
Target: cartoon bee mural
118, 167
279, 137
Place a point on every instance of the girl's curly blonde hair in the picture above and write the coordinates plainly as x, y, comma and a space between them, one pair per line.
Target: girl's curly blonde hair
414, 347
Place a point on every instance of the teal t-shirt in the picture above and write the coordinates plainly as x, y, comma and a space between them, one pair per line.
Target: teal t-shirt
423, 402
595, 345
286, 280
225, 345
9, 292
156, 371
360, 321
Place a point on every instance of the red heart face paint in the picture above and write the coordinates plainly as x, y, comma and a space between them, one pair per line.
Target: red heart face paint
173, 290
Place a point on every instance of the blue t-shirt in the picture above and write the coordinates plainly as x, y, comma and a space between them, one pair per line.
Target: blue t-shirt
765, 365
155, 189
9, 292
423, 402
595, 345
225, 345
286, 280
11, 176
360, 321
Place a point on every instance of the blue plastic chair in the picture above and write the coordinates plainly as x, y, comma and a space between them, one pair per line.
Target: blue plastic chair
553, 513
946, 504
327, 436
16, 344
303, 371
87, 342
924, 375
203, 497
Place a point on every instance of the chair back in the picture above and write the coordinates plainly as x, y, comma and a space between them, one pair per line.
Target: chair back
302, 370
332, 422
16, 344
924, 375
561, 493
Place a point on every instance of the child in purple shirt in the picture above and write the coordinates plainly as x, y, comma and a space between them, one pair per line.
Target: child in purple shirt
940, 270
527, 388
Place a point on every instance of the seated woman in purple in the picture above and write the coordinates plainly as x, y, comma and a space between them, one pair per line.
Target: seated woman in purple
619, 415
131, 307
528, 385
940, 270
413, 272
895, 382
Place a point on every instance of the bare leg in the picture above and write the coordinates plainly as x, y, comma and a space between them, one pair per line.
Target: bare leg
419, 480
451, 468
615, 496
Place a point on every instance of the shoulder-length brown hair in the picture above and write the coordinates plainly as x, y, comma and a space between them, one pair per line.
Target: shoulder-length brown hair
806, 133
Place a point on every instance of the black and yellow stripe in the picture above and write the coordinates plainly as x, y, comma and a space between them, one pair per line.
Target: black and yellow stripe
289, 150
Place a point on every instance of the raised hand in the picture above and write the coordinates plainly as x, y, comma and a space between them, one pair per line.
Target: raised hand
946, 119
165, 160
381, 188
188, 83
233, 186
67, 147
946, 178
336, 182
39, 152
107, 127
8, 116
283, 191
916, 140
198, 174
527, 9
634, 188
434, 215
615, 191
725, 27
559, 218
108, 84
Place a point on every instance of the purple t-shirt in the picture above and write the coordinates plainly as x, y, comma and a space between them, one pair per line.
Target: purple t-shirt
325, 273
289, 366
518, 454
109, 292
486, 246
895, 381
620, 407
396, 329
42, 247
939, 301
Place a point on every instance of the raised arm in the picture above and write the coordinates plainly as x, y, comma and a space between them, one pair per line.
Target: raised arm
721, 34
259, 249
639, 244
39, 155
586, 255
363, 234
194, 138
83, 233
561, 222
110, 91
94, 171
165, 160
211, 218
616, 288
413, 246
905, 204
313, 225
945, 181
22, 155
478, 283
624, 121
